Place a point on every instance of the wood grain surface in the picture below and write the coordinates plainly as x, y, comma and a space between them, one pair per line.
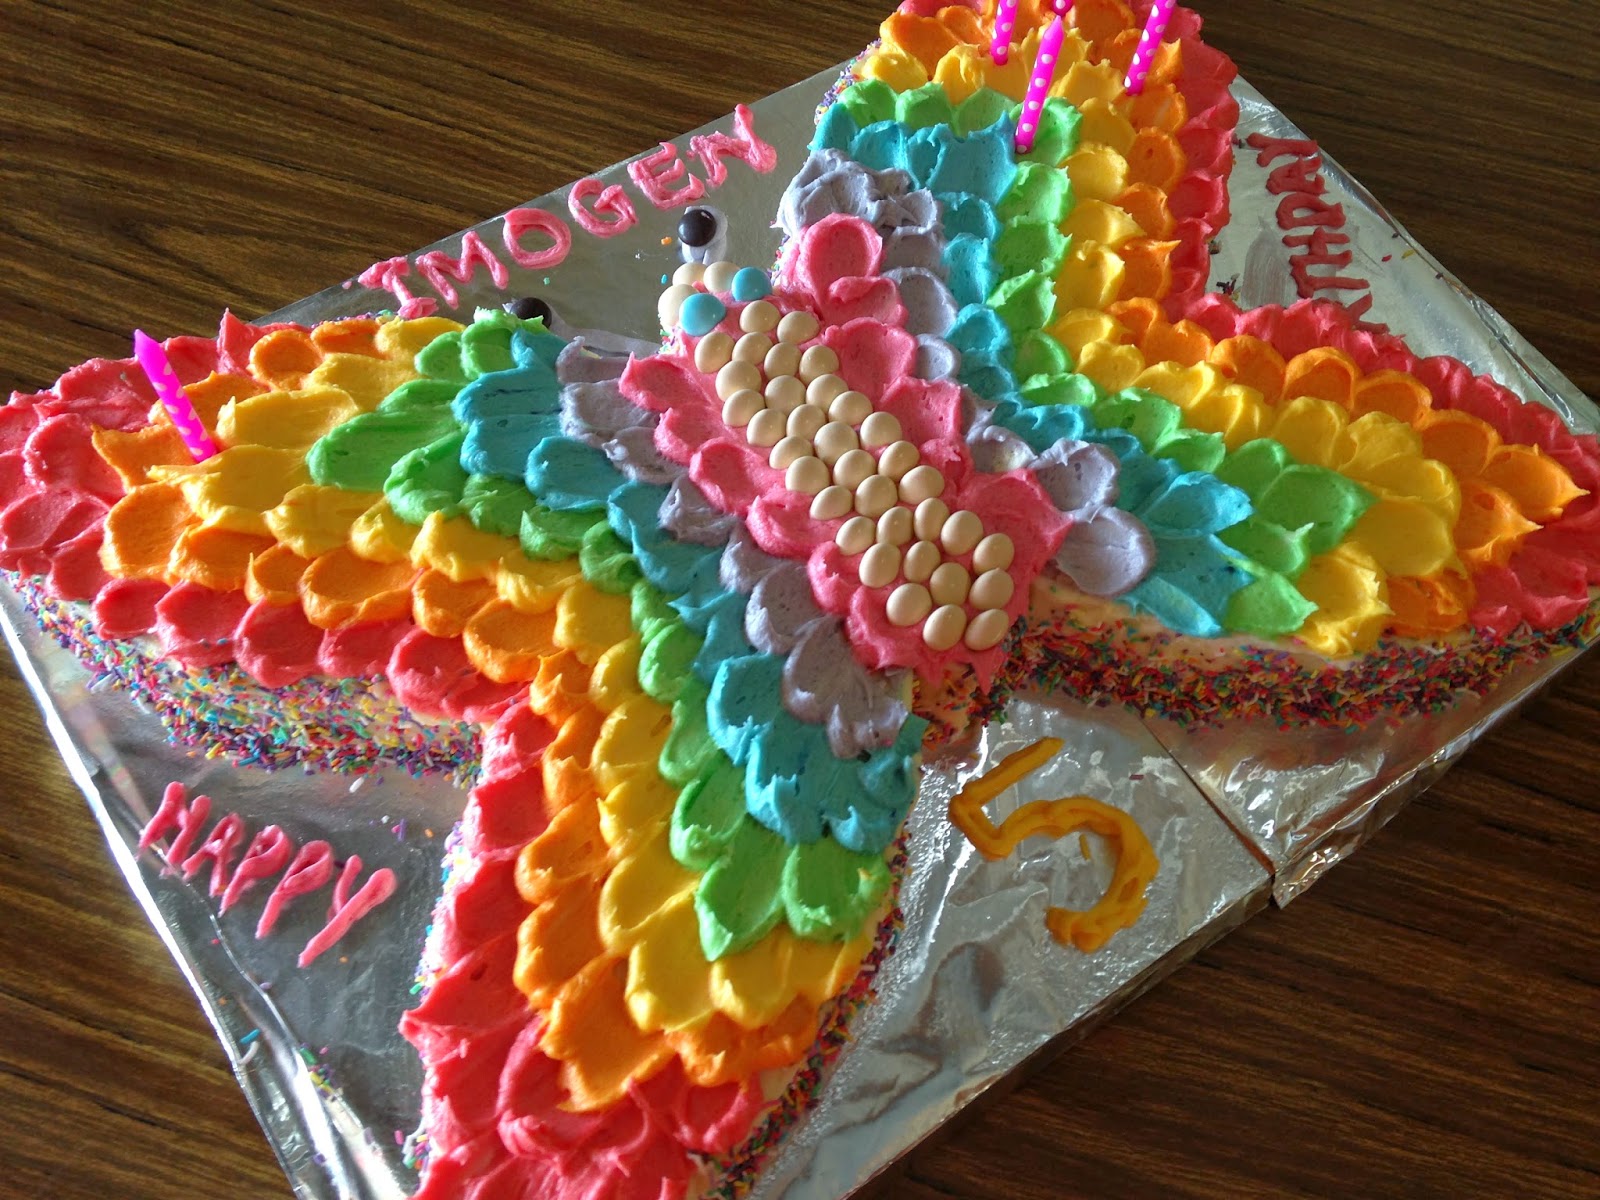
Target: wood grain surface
1424, 1022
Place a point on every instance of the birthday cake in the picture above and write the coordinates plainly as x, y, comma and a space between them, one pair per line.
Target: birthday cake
686, 622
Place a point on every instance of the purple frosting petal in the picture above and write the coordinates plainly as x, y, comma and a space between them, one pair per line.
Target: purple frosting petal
996, 450
594, 413
578, 363
781, 605
930, 308
1080, 476
1108, 553
634, 453
936, 359
688, 516
823, 683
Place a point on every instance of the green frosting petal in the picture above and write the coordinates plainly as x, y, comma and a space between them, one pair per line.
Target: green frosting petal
441, 359
1194, 450
740, 898
555, 535
606, 562
1324, 500
1057, 137
667, 660
420, 396
1150, 418
709, 811
1041, 354
359, 455
924, 107
1029, 245
496, 505
428, 480
828, 891
1037, 191
979, 110
1061, 389
869, 101
689, 751
650, 611
1268, 606
1025, 303
486, 347
1254, 465
1268, 545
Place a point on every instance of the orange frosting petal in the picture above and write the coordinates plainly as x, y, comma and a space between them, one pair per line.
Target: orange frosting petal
507, 645
340, 588
274, 576
443, 607
1155, 158
591, 1034
923, 38
131, 455
1252, 362
1100, 20
1396, 393
141, 530
1459, 440
561, 688
1147, 268
1538, 483
211, 393
1325, 373
215, 558
1429, 607
351, 336
1491, 527
1148, 206
283, 358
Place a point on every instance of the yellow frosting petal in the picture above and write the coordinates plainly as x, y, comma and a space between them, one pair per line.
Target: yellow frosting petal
313, 520
456, 547
284, 420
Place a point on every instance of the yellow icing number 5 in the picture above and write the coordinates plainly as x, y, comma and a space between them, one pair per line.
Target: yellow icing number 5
1124, 899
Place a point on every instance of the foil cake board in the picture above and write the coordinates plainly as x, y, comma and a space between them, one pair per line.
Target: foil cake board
976, 990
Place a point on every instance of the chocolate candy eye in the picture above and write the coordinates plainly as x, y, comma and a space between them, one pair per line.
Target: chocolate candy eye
526, 308
697, 227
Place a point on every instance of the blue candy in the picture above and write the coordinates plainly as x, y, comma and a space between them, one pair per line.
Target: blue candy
750, 284
701, 313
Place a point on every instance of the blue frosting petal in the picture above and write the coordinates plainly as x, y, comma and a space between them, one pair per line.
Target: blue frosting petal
570, 477
836, 130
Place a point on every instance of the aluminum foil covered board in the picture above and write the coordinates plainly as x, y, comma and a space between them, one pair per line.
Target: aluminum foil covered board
975, 988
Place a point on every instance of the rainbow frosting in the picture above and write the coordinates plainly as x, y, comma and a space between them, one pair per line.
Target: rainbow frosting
697, 614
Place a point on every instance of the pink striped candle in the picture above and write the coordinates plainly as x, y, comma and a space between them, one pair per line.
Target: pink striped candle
1145, 54
153, 359
1044, 71
1005, 23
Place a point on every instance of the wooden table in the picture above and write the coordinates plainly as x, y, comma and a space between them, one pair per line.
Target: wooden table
1425, 1022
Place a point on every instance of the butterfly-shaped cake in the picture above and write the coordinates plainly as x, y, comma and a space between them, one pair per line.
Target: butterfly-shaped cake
700, 613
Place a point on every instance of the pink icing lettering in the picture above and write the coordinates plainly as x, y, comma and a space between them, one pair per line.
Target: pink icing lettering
1316, 251
174, 815
438, 268
1297, 175
311, 868
346, 909
527, 220
657, 172
612, 200
386, 276
267, 854
219, 848
1300, 210
1271, 148
743, 144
